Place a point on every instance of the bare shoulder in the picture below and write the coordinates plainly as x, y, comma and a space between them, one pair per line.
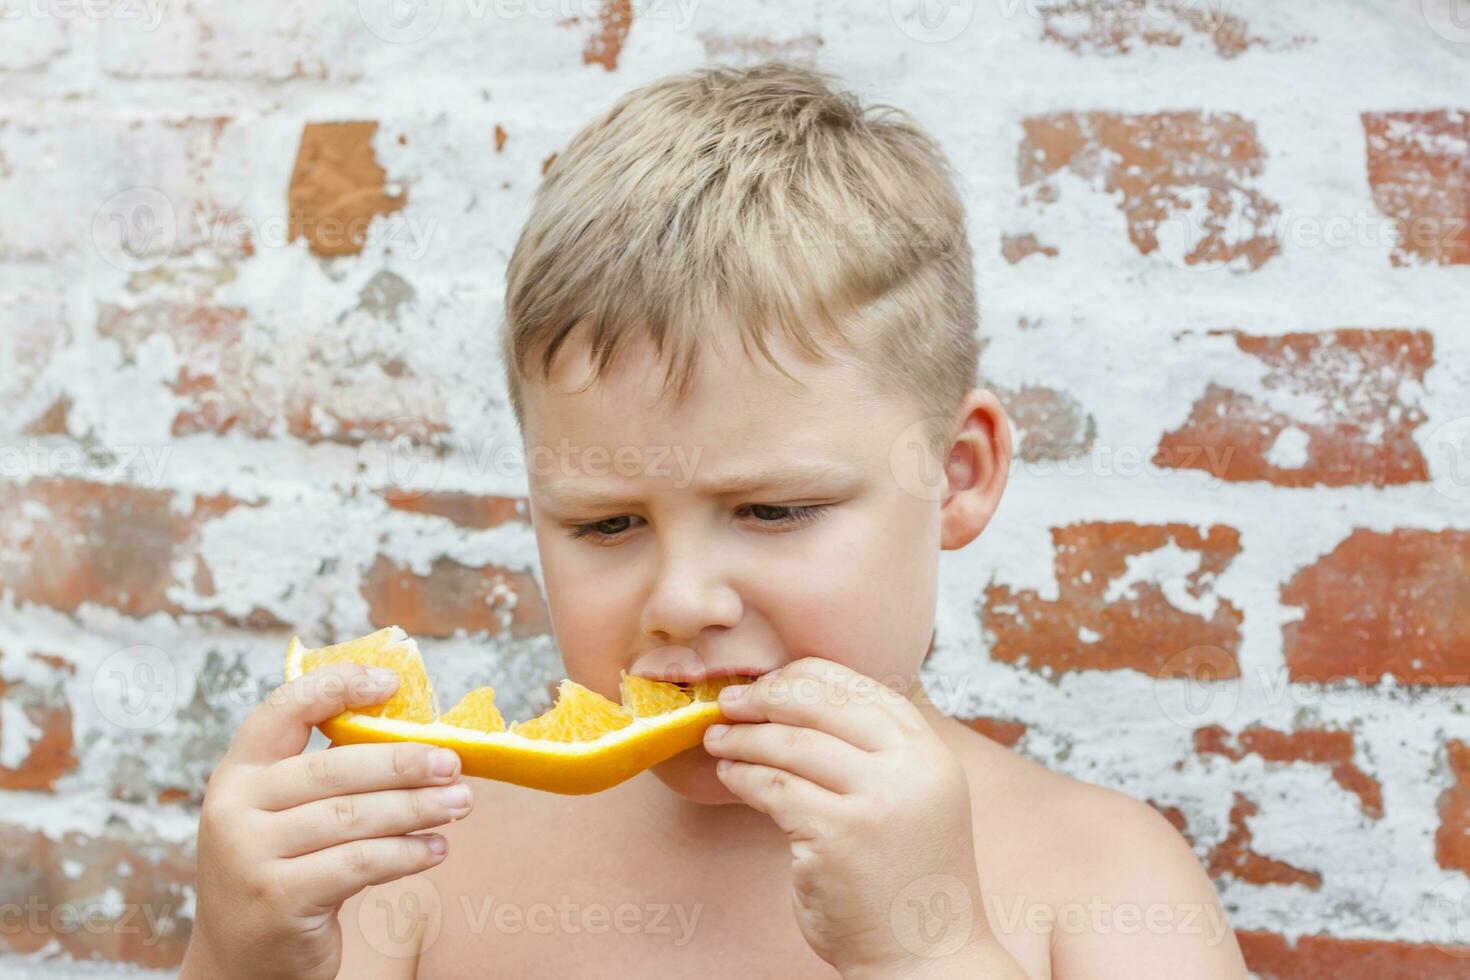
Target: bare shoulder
1127, 896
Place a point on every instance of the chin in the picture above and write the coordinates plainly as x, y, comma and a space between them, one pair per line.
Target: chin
691, 774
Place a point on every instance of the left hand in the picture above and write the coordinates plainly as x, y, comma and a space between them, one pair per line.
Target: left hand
876, 807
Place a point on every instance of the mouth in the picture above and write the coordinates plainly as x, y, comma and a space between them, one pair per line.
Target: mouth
695, 676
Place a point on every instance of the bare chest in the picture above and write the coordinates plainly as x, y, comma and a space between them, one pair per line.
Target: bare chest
546, 886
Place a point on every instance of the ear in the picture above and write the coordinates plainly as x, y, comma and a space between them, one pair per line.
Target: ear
975, 470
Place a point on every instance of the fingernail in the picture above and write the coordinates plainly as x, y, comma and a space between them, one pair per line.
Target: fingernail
437, 844
722, 765
456, 797
734, 692
442, 762
715, 731
382, 677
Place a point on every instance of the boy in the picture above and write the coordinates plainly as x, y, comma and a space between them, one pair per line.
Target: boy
741, 345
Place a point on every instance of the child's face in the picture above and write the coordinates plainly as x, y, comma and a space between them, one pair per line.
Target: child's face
656, 563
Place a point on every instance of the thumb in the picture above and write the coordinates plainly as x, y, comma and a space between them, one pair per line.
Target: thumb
281, 725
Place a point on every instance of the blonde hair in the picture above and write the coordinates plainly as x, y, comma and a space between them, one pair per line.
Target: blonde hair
759, 201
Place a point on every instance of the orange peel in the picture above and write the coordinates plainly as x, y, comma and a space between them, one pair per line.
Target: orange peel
584, 743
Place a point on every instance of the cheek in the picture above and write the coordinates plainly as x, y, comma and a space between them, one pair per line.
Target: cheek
588, 605
863, 595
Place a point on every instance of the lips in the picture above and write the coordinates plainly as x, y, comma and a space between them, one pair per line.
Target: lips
695, 675
683, 665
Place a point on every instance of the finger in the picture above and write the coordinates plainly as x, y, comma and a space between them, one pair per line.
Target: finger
806, 752
854, 686
280, 726
345, 769
840, 702
798, 806
331, 876
389, 813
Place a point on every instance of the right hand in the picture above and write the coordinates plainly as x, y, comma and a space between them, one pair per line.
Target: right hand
285, 838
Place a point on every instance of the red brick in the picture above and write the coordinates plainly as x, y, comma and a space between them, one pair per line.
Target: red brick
213, 42
1139, 630
746, 48
64, 543
1157, 166
52, 421
1452, 840
453, 596
1237, 857
231, 379
1174, 815
1419, 169
1271, 957
1014, 248
51, 754
614, 19
1313, 745
464, 509
1120, 26
31, 42
187, 170
33, 331
1050, 424
1359, 430
337, 188
45, 906
1383, 603
1001, 730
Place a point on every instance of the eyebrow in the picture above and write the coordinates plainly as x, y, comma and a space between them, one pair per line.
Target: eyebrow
788, 479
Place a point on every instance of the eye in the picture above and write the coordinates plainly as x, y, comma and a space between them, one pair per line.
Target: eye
784, 515
605, 529
767, 516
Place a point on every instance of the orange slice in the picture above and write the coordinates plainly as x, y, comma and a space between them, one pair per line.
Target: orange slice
645, 697
710, 690
584, 743
476, 710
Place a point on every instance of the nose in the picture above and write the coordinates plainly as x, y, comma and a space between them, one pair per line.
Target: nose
690, 594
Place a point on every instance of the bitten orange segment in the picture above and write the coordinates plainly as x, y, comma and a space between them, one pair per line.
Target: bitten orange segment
646, 697
388, 647
579, 715
710, 690
476, 710
584, 743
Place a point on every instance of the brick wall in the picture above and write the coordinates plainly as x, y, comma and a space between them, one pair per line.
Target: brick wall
251, 260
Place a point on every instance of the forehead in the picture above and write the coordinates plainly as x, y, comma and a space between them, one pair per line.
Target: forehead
736, 408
